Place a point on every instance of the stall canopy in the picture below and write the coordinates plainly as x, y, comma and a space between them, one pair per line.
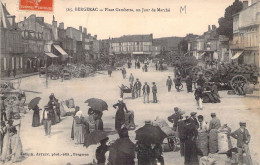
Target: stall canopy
236, 55
51, 55
62, 52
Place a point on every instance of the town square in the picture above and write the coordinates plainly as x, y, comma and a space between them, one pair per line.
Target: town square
68, 97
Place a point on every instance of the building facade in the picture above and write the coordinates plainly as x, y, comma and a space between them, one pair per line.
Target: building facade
245, 44
135, 45
11, 49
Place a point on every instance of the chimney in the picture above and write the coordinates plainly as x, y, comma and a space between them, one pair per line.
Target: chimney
53, 18
24, 18
61, 25
80, 28
214, 27
209, 28
245, 4
85, 31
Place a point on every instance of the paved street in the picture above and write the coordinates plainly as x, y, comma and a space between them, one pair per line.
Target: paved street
231, 110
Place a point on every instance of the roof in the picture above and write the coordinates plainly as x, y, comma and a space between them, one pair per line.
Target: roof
46, 25
134, 38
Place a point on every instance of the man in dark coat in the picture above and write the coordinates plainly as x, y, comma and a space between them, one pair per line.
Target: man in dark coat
193, 119
189, 84
137, 87
174, 118
120, 114
198, 97
124, 73
146, 92
154, 90
122, 151
169, 83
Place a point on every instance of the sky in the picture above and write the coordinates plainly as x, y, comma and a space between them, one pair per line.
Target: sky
199, 14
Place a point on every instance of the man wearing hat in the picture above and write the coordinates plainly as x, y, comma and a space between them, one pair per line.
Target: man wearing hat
137, 87
194, 120
174, 118
146, 92
169, 83
154, 90
181, 132
243, 138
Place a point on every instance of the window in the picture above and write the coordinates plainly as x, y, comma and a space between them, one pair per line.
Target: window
17, 63
12, 62
21, 62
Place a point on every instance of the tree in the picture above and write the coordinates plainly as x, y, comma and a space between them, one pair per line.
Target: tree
183, 46
226, 22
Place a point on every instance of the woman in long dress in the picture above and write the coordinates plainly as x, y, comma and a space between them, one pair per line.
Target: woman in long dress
120, 114
36, 116
80, 129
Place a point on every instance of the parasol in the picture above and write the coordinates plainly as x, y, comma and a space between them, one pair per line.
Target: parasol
95, 137
97, 104
34, 102
150, 134
124, 145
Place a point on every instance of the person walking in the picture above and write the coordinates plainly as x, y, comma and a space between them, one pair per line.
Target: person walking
131, 80
156, 66
145, 68
169, 83
47, 121
198, 97
109, 71
177, 82
36, 116
124, 73
174, 118
146, 92
189, 83
214, 125
2, 110
120, 114
137, 88
154, 90
243, 138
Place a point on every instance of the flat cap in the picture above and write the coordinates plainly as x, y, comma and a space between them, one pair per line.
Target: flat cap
193, 113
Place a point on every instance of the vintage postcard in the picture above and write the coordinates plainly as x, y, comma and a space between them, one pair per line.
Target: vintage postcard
129, 82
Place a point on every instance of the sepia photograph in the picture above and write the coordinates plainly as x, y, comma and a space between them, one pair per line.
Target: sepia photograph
129, 82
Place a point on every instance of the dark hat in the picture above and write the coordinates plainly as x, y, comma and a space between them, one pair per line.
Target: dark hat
148, 122
176, 109
137, 79
213, 114
153, 82
193, 113
123, 132
242, 123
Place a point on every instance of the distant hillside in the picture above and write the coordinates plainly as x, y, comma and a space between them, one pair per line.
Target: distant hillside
169, 42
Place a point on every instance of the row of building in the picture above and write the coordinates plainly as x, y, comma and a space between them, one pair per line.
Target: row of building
243, 48
33, 43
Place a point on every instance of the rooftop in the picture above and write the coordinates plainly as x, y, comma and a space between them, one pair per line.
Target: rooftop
134, 38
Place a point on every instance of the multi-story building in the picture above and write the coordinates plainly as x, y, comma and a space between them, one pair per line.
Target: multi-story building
11, 49
245, 44
206, 46
135, 45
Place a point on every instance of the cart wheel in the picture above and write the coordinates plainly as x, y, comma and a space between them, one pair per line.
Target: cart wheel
238, 81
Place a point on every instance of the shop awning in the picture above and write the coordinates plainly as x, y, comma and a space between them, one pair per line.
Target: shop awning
62, 52
237, 55
51, 55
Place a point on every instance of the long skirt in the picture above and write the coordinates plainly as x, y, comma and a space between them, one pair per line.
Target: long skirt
36, 119
202, 144
79, 133
119, 119
213, 141
190, 153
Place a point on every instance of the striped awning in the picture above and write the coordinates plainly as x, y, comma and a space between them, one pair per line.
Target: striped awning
62, 52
